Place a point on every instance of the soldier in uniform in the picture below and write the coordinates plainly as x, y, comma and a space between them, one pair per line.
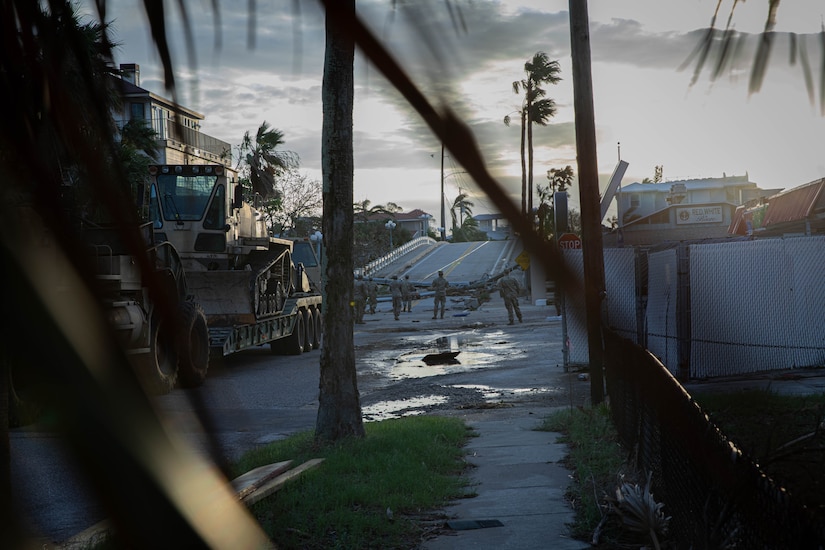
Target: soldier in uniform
406, 294
509, 288
439, 285
395, 290
360, 299
372, 294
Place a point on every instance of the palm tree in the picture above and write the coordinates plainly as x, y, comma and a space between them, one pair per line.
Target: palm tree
535, 109
339, 403
264, 160
364, 212
523, 115
463, 206
138, 148
559, 180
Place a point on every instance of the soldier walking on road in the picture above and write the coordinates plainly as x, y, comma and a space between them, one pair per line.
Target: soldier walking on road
360, 299
395, 290
372, 294
439, 285
406, 294
509, 288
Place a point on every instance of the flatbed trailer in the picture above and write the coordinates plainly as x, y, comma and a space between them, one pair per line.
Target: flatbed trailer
295, 330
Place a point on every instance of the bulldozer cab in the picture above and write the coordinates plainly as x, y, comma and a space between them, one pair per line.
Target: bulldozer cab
183, 193
199, 209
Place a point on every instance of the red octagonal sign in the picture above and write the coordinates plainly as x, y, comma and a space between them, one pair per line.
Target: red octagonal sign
570, 241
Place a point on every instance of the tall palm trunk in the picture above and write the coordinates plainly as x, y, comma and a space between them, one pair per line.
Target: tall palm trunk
339, 407
529, 95
529, 210
523, 163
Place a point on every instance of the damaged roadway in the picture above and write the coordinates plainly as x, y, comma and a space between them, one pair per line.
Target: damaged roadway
504, 380
497, 365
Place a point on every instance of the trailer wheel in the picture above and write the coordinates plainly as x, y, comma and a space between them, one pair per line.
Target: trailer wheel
309, 336
319, 329
295, 342
158, 369
193, 345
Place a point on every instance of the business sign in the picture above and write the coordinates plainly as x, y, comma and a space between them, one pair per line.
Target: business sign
570, 241
700, 214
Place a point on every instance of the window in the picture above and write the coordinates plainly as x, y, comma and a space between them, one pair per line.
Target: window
184, 198
138, 111
154, 209
635, 200
216, 214
159, 122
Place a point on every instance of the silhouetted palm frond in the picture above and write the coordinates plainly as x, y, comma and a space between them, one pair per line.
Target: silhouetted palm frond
723, 50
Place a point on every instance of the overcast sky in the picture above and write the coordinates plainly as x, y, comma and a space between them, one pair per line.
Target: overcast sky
642, 100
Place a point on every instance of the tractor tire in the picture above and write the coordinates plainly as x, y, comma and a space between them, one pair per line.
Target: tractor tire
319, 328
193, 345
309, 330
158, 369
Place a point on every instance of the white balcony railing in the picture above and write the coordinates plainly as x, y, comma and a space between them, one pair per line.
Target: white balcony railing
393, 255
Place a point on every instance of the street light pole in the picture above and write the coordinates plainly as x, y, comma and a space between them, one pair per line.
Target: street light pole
443, 218
390, 225
317, 239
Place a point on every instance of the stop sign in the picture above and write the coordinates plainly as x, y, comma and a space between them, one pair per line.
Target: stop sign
570, 241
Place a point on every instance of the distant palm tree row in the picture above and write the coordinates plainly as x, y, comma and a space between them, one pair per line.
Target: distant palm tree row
365, 211
535, 109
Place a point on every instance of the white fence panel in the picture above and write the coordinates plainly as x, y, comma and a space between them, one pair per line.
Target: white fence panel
620, 284
756, 305
808, 288
660, 315
619, 309
575, 314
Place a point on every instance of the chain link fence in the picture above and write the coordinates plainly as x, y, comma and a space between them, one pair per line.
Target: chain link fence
712, 309
716, 497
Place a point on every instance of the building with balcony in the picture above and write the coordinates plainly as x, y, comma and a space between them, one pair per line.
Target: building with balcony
416, 222
180, 140
653, 213
496, 226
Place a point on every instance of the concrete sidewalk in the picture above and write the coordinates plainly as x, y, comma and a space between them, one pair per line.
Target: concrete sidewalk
519, 483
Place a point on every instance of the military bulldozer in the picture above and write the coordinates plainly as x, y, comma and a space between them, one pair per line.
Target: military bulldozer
250, 289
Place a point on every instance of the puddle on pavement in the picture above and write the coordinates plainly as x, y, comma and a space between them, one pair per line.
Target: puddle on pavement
414, 406
407, 361
434, 357
491, 394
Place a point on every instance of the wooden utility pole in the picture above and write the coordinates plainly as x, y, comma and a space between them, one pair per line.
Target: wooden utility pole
593, 256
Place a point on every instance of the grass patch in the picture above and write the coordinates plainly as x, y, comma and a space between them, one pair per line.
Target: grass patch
410, 466
785, 434
596, 459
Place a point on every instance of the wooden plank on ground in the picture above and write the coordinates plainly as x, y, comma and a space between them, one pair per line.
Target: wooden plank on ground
250, 487
253, 479
275, 484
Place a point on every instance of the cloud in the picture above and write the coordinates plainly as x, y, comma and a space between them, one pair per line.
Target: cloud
468, 63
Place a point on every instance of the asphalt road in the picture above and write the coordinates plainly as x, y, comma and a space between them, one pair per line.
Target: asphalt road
255, 398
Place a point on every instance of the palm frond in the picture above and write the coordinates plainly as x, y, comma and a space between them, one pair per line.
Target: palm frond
724, 49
